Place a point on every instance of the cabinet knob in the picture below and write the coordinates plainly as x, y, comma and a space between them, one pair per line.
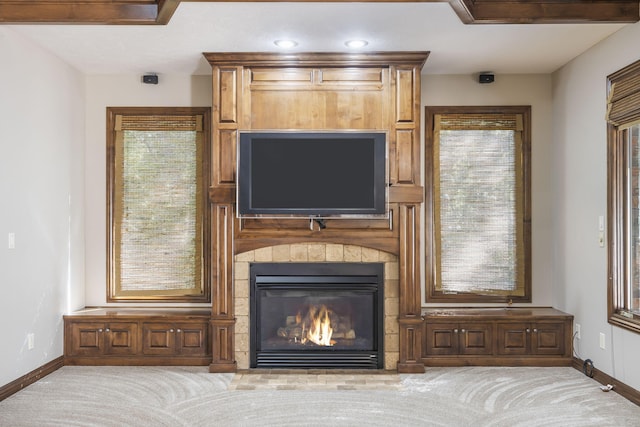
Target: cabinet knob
455, 331
106, 330
100, 330
528, 330
463, 331
535, 330
178, 330
170, 330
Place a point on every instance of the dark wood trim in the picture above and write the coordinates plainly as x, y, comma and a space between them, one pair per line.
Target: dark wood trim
137, 361
111, 113
128, 12
544, 11
30, 378
431, 294
449, 361
624, 390
137, 12
316, 59
166, 9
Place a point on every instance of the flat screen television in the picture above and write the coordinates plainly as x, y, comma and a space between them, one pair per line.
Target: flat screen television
314, 174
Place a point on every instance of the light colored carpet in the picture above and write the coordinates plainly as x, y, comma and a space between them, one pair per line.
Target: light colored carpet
190, 396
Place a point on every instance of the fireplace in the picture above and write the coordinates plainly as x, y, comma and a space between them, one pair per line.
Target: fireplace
316, 315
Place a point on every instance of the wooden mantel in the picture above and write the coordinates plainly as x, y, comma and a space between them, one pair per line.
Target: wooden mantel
137, 12
318, 91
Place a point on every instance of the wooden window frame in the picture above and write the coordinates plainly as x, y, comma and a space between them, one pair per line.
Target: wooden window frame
623, 111
432, 295
204, 294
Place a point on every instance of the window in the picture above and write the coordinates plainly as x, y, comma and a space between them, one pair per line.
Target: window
478, 205
157, 217
623, 216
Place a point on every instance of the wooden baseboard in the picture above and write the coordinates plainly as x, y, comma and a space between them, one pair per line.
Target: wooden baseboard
30, 378
628, 392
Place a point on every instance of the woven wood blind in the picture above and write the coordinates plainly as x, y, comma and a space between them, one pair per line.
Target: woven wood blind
623, 99
479, 204
157, 209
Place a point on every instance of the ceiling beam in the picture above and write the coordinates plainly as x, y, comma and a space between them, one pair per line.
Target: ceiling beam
166, 8
131, 12
546, 11
136, 12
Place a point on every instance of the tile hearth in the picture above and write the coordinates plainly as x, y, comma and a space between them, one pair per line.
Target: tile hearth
313, 379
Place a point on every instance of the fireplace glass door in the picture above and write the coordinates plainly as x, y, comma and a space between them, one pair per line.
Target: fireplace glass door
316, 315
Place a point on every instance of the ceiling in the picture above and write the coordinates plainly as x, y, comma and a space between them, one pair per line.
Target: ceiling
197, 27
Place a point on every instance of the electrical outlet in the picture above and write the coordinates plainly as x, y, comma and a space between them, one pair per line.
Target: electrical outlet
31, 339
602, 341
578, 330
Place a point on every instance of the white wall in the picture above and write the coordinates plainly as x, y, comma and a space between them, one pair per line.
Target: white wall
580, 196
533, 90
41, 194
121, 91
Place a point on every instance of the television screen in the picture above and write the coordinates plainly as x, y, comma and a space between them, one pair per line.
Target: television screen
312, 173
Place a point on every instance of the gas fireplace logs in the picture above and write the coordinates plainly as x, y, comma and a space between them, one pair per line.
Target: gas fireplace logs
318, 325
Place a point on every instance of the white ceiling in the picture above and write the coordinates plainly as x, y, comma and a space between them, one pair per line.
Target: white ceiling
318, 27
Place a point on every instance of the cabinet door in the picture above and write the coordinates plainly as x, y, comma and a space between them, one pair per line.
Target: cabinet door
121, 338
476, 338
158, 338
441, 339
513, 338
87, 338
548, 338
192, 338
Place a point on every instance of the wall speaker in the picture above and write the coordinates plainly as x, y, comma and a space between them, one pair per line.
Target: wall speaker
150, 79
486, 78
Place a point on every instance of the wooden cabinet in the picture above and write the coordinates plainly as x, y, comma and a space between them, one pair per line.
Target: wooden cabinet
496, 336
103, 338
174, 339
518, 338
137, 337
458, 338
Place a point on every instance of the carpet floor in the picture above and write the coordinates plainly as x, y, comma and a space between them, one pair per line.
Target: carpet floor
190, 397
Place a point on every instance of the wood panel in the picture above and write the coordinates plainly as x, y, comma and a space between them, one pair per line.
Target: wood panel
317, 110
228, 95
225, 171
406, 165
405, 101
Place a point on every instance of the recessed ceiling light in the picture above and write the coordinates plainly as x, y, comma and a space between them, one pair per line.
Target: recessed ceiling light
354, 44
286, 44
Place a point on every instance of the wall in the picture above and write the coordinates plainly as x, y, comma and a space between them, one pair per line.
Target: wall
579, 185
103, 91
42, 191
121, 91
534, 90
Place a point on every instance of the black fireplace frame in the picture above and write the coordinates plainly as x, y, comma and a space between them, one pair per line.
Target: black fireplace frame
357, 277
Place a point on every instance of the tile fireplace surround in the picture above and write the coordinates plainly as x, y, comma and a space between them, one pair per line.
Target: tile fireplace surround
316, 252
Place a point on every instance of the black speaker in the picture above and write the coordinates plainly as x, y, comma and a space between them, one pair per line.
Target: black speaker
486, 78
150, 79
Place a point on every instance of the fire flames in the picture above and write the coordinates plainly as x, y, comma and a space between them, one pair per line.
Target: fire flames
317, 326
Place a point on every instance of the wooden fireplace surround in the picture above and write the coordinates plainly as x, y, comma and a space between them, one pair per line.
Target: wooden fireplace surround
317, 91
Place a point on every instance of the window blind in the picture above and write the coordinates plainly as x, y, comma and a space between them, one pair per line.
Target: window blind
157, 210
479, 204
623, 99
